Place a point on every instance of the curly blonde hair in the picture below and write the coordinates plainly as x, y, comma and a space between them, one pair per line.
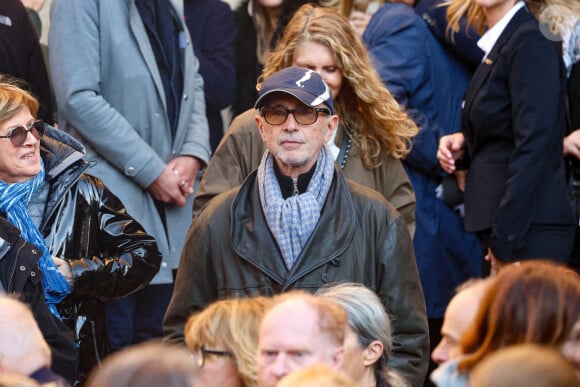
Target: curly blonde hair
368, 112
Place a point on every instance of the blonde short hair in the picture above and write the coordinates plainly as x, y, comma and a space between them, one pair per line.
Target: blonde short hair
233, 323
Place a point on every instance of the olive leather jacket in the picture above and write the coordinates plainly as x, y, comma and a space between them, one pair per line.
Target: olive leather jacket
230, 252
110, 254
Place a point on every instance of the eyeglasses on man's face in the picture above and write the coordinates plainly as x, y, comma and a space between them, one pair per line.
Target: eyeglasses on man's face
18, 134
202, 352
303, 115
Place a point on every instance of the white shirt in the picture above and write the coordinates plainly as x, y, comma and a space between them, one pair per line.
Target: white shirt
488, 40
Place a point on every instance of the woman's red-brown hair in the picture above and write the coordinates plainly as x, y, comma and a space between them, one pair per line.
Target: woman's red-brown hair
534, 302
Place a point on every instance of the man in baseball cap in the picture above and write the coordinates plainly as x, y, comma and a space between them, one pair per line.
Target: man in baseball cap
295, 222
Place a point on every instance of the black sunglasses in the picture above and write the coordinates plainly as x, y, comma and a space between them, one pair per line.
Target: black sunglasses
303, 115
18, 134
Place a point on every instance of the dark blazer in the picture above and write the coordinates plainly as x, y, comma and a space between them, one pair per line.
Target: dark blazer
513, 120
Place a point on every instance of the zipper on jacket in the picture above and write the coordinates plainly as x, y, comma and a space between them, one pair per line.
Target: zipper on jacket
295, 186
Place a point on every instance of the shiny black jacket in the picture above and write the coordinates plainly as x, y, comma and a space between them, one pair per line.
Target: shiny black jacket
21, 276
84, 223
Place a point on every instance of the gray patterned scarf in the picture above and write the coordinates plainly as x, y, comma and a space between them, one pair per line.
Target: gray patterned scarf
292, 220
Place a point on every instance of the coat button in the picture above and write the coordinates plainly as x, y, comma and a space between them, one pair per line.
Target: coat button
34, 251
130, 171
33, 274
22, 268
325, 277
185, 96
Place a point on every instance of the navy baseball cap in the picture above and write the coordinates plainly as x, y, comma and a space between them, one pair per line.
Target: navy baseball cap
299, 82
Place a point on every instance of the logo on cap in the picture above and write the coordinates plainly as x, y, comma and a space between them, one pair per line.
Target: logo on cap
302, 83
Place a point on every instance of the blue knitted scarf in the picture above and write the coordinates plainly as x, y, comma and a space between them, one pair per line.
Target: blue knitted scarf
13, 201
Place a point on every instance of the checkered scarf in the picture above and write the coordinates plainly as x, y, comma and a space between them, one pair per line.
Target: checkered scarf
292, 220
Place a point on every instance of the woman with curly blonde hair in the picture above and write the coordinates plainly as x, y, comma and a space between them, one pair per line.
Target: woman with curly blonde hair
224, 340
373, 134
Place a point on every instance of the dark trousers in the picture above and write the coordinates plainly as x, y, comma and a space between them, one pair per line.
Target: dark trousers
138, 317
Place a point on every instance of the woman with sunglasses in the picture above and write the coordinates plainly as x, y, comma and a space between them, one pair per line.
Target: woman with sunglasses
89, 249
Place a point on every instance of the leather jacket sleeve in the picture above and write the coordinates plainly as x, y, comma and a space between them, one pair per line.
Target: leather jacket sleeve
110, 253
400, 287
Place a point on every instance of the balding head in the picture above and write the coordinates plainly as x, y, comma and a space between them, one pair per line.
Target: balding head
23, 349
299, 330
459, 315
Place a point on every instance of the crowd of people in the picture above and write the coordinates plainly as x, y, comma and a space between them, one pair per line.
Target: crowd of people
325, 193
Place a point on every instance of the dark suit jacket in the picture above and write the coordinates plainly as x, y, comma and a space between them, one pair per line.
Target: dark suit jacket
513, 120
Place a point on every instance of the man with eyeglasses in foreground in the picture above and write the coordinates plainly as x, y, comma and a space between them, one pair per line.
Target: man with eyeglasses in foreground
297, 223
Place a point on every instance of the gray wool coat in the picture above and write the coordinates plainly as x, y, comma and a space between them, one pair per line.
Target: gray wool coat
110, 96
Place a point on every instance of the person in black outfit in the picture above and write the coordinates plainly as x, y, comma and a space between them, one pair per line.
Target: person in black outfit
21, 276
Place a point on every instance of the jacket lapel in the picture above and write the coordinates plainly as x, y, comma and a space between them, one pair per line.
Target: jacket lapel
140, 33
483, 70
254, 243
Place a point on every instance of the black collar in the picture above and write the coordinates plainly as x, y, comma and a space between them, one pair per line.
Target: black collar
288, 185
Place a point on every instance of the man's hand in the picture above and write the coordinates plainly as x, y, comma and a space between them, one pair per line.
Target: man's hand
572, 144
451, 148
176, 181
64, 269
187, 167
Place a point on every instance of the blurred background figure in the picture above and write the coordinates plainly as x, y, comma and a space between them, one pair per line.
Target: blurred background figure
535, 302
212, 28
459, 316
33, 8
23, 350
524, 365
369, 335
149, 364
260, 25
224, 340
21, 55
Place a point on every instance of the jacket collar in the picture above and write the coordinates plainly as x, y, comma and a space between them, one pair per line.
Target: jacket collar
484, 69
59, 150
253, 241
